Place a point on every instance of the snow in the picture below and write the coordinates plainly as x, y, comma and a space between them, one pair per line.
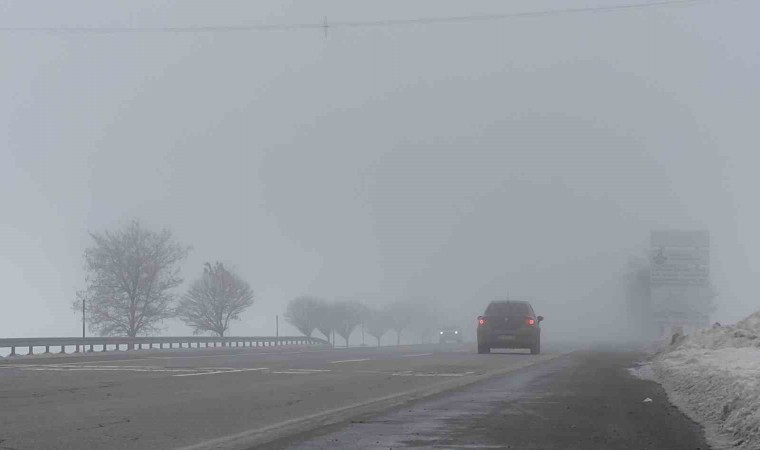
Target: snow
714, 377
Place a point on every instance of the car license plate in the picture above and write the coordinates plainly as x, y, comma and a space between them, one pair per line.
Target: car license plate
507, 338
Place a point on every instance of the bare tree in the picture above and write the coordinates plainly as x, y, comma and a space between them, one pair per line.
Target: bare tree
303, 313
424, 329
131, 273
348, 315
377, 324
215, 299
400, 315
325, 320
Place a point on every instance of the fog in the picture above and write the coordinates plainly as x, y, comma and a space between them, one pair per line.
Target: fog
459, 161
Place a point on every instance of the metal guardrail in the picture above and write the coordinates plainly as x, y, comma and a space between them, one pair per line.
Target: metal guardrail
139, 343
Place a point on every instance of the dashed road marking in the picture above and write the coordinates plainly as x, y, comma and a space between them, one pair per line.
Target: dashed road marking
294, 372
220, 371
430, 374
350, 360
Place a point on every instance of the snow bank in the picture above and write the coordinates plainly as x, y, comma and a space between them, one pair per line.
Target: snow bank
714, 377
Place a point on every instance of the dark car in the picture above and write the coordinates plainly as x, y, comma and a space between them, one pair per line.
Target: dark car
509, 324
450, 334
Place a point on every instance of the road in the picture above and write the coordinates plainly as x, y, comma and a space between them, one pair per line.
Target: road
581, 401
429, 396
233, 398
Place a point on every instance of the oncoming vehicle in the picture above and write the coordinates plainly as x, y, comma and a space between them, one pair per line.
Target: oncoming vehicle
450, 334
509, 324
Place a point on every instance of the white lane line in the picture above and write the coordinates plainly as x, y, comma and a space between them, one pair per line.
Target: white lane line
99, 369
350, 360
219, 371
294, 372
223, 355
413, 374
416, 354
310, 370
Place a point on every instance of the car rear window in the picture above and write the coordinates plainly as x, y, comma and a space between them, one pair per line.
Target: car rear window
508, 309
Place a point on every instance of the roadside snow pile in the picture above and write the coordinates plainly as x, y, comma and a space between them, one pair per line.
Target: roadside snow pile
714, 377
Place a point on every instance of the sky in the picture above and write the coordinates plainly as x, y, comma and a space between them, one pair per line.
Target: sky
454, 161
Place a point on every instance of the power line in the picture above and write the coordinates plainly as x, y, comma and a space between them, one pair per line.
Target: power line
357, 24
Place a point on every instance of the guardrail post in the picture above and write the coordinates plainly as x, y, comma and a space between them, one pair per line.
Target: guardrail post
105, 347
92, 347
47, 349
77, 349
31, 351
63, 349
13, 351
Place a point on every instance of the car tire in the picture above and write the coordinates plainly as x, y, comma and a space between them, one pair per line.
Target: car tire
483, 349
536, 348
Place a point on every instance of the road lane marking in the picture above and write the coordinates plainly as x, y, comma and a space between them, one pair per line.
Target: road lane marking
416, 354
310, 370
152, 358
350, 360
409, 373
219, 371
294, 372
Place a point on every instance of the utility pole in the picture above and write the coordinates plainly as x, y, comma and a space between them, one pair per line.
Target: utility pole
84, 335
277, 328
363, 333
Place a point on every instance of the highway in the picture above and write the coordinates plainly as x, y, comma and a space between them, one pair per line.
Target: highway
222, 398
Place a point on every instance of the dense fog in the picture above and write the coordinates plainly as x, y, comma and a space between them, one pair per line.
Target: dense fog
456, 162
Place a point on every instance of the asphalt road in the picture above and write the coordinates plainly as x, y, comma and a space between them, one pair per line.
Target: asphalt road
222, 398
585, 400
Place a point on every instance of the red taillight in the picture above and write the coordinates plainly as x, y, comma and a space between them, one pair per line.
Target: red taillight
482, 321
531, 321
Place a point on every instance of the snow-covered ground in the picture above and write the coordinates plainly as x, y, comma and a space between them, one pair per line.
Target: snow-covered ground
714, 377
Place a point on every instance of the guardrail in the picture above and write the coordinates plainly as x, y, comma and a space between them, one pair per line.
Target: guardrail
139, 343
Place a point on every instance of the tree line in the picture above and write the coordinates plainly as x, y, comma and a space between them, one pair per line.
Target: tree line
132, 275
309, 314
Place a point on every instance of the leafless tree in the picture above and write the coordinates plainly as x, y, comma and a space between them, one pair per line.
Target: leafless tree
348, 315
303, 313
215, 299
400, 316
131, 273
325, 320
426, 328
378, 324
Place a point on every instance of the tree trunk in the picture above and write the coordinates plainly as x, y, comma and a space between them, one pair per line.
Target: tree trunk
398, 337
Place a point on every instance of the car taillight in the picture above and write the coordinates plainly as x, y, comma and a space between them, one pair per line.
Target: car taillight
531, 321
481, 322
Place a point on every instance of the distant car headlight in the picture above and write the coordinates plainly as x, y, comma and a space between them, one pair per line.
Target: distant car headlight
456, 332
441, 332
